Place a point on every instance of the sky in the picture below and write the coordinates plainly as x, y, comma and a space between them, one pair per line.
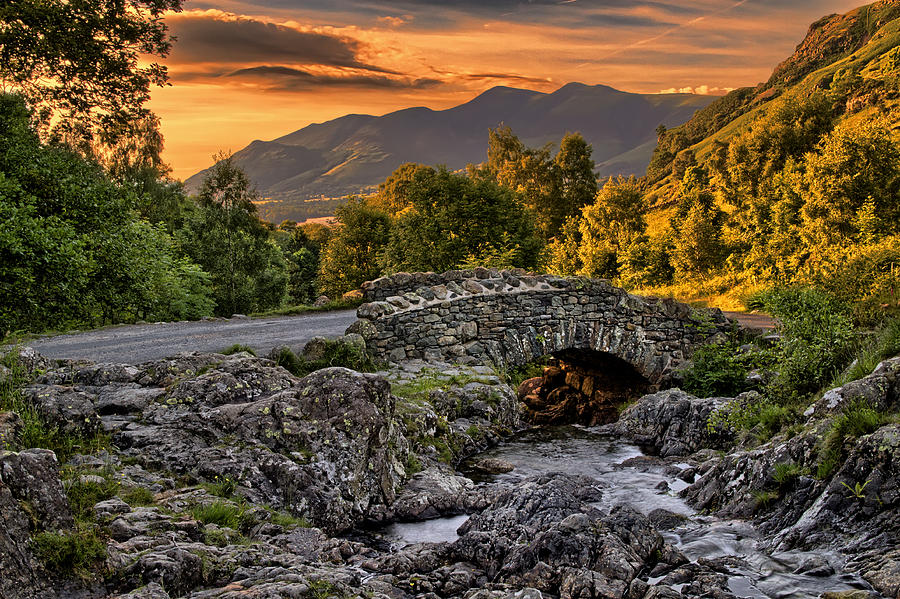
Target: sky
257, 69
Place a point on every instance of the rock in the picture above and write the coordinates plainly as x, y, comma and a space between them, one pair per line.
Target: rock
109, 509
322, 300
32, 476
493, 466
666, 520
881, 390
72, 411
21, 577
150, 591
326, 446
430, 494
315, 349
10, 430
178, 570
353, 295
671, 423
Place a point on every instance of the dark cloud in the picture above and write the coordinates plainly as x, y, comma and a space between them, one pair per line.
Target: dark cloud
504, 77
282, 78
207, 39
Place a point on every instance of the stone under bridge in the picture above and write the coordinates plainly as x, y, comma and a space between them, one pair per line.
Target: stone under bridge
512, 318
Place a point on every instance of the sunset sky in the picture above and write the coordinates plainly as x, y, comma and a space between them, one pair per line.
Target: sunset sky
258, 69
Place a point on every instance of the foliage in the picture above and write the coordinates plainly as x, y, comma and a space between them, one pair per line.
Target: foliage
224, 235
138, 496
84, 493
72, 250
450, 218
717, 370
856, 419
610, 225
553, 188
786, 472
238, 348
816, 342
70, 553
336, 353
80, 63
758, 416
885, 343
224, 513
351, 256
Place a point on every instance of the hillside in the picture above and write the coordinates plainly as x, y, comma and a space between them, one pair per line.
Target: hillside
356, 152
852, 58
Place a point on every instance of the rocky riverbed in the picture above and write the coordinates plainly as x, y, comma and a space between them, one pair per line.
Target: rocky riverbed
212, 476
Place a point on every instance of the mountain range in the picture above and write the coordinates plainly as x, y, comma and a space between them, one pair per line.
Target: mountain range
354, 153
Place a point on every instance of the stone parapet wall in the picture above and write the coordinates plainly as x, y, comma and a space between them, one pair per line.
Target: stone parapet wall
509, 318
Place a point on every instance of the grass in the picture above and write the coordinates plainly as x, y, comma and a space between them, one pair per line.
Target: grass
222, 486
138, 497
884, 344
286, 520
765, 497
337, 353
338, 304
224, 513
77, 553
238, 348
856, 420
517, 375
787, 472
83, 494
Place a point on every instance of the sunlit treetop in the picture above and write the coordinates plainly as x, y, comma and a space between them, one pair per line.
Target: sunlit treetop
77, 62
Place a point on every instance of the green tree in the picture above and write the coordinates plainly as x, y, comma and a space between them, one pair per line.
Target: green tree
78, 63
72, 250
351, 256
610, 225
451, 218
227, 239
697, 227
574, 168
853, 183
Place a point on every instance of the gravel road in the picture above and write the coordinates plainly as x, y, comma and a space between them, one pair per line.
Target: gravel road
133, 344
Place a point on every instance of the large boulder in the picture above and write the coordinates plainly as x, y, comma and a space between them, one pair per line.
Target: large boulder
672, 423
326, 447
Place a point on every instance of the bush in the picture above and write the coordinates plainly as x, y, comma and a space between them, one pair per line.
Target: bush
817, 341
336, 353
71, 553
716, 371
238, 348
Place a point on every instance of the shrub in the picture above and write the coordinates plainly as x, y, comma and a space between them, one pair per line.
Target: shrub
72, 553
716, 371
337, 353
238, 348
817, 340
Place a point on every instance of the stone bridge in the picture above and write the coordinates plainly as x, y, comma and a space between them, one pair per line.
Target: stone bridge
511, 318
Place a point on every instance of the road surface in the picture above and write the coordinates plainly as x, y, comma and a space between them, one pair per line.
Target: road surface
133, 344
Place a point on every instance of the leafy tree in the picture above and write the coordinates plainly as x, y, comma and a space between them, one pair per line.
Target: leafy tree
72, 250
610, 225
853, 182
227, 239
78, 62
351, 256
574, 168
697, 226
554, 188
451, 217
302, 255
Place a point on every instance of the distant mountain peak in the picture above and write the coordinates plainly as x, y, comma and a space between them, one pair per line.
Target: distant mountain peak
354, 153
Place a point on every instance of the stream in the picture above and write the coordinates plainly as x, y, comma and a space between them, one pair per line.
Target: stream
591, 452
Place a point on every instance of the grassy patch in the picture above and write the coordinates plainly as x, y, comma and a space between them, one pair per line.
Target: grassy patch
238, 348
84, 492
222, 486
430, 379
885, 343
224, 513
856, 419
138, 497
76, 553
786, 473
338, 304
336, 353
286, 520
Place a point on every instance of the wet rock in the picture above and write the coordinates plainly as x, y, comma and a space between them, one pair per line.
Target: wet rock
671, 423
666, 520
493, 466
429, 494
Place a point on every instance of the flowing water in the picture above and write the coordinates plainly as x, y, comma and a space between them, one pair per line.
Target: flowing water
625, 478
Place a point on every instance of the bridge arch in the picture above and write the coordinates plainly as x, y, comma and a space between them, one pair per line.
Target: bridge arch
510, 318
